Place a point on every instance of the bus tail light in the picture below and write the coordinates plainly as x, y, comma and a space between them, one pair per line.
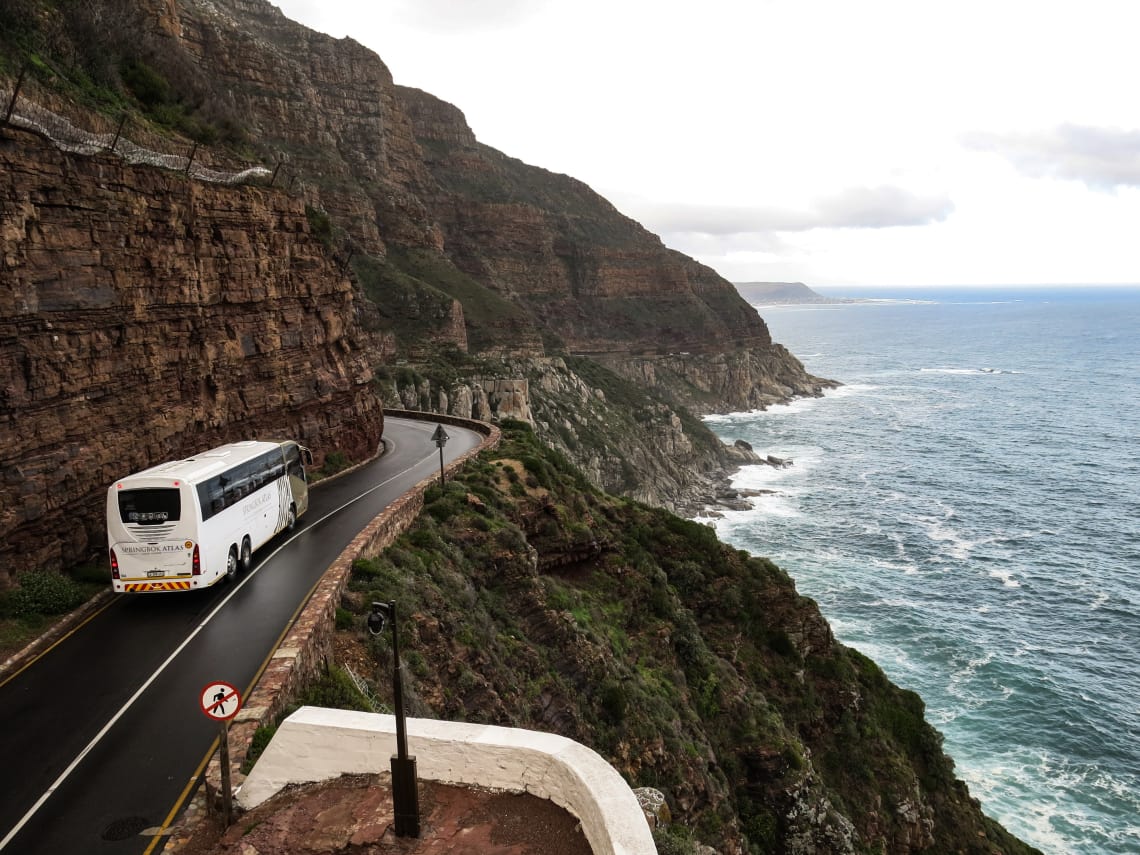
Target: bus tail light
114, 564
196, 561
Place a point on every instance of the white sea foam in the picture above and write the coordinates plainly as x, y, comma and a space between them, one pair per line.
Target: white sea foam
963, 685
1006, 578
894, 566
767, 505
847, 391
952, 542
1034, 820
966, 371
797, 406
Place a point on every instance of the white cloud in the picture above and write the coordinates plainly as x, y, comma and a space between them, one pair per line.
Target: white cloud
852, 208
881, 207
803, 136
470, 16
1101, 158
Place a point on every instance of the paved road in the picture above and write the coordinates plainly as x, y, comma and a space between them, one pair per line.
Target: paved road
100, 737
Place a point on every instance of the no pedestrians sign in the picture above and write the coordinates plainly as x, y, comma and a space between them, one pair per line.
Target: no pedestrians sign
220, 701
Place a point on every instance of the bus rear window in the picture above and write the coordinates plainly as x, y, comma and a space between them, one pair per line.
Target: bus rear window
150, 506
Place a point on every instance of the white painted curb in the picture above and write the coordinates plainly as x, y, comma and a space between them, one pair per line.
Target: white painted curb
316, 744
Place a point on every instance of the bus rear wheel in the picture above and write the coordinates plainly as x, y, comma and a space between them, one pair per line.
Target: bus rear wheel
232, 564
246, 556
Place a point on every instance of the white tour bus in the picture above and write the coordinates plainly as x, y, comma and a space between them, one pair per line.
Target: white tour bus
187, 524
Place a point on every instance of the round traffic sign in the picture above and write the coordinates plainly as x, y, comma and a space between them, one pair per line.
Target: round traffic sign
220, 701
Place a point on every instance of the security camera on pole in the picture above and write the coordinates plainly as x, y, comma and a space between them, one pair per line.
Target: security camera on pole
405, 795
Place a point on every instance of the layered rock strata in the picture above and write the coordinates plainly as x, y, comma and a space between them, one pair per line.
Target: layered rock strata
144, 317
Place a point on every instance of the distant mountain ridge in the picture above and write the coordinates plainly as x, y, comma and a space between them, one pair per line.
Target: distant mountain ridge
779, 293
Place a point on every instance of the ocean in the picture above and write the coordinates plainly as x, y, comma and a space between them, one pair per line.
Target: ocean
966, 511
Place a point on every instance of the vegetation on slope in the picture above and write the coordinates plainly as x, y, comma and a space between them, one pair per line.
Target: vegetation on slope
535, 600
101, 54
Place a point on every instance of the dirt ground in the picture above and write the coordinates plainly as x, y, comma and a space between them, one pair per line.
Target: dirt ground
353, 815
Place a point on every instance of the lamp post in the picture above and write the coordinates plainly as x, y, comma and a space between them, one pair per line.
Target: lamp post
405, 795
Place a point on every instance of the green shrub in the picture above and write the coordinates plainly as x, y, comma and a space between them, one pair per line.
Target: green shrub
515, 425
615, 700
335, 461
780, 642
261, 739
345, 619
540, 469
672, 840
320, 226
40, 592
334, 689
147, 84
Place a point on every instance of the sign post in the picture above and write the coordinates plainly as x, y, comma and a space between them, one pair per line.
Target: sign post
221, 701
440, 438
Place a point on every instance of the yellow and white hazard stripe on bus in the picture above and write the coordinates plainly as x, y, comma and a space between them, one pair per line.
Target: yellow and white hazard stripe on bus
138, 587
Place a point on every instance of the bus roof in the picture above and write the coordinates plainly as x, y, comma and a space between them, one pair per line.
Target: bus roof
206, 463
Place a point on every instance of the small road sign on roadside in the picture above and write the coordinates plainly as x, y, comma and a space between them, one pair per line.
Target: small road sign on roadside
220, 701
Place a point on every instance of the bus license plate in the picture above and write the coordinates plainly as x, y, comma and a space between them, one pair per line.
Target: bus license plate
154, 573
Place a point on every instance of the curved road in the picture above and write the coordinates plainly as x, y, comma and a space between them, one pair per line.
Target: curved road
102, 736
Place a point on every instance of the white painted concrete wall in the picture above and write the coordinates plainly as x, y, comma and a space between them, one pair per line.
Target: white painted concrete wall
316, 744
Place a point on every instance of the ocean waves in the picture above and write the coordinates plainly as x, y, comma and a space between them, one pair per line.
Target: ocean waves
979, 540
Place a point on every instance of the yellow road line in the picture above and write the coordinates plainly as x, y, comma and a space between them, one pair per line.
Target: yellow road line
185, 794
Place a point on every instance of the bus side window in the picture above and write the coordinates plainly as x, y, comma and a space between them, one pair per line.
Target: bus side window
211, 497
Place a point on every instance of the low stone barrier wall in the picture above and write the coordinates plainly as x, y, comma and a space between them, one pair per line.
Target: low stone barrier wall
316, 744
308, 644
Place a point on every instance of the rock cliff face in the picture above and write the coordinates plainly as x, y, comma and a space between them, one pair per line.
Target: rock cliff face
648, 452
144, 317
397, 168
596, 282
207, 313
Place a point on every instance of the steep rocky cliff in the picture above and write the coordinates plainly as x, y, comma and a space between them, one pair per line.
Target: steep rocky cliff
538, 261
447, 245
596, 282
145, 316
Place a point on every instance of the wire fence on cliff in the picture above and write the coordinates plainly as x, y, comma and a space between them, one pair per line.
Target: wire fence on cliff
79, 130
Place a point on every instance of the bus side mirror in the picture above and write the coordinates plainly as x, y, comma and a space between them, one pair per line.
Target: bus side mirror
306, 456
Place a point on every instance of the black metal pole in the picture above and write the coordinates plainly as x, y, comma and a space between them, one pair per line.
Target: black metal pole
405, 794
441, 481
224, 759
15, 95
118, 131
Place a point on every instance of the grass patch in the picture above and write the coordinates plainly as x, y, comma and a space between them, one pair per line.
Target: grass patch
40, 599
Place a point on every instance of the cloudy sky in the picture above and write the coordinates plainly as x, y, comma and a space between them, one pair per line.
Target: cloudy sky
825, 141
